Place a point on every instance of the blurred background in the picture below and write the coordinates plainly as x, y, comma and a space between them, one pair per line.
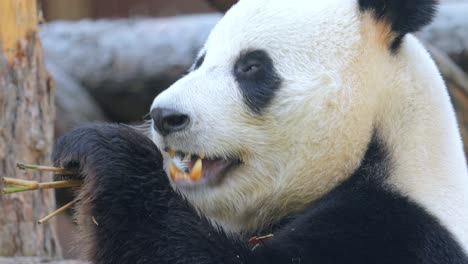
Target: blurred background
110, 58
115, 56
79, 9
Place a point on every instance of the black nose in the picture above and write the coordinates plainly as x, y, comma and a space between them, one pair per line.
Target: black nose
167, 121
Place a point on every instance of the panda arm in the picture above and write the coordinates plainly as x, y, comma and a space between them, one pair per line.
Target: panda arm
128, 212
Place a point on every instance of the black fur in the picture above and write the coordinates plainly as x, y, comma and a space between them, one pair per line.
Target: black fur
257, 78
142, 220
364, 221
404, 16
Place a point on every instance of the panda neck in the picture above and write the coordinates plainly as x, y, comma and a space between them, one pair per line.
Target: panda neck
418, 125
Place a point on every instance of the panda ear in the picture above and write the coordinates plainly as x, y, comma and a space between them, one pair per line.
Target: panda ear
401, 16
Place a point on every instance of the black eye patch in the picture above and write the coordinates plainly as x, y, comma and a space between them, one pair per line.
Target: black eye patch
257, 78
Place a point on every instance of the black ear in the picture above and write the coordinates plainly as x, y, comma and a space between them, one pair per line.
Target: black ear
403, 16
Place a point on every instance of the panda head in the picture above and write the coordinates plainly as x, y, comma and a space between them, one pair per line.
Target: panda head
281, 103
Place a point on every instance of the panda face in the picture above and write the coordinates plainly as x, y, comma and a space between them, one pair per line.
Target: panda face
277, 109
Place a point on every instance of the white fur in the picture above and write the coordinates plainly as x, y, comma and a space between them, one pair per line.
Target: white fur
420, 125
340, 83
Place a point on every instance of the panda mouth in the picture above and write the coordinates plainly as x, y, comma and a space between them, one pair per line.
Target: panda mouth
189, 169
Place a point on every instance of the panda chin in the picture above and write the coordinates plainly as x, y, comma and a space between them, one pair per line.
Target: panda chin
190, 171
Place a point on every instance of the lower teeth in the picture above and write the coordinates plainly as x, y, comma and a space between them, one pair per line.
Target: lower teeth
177, 174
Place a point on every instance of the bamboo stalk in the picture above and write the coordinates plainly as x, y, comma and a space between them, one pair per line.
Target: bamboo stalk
94, 220
11, 190
56, 212
24, 166
254, 241
19, 185
60, 184
23, 183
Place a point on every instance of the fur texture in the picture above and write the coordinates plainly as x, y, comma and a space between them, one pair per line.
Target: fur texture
339, 83
308, 159
141, 219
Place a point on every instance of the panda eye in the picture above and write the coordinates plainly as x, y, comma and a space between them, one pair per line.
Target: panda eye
257, 78
251, 64
251, 67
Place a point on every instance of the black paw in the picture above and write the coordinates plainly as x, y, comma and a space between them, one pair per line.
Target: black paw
125, 191
100, 148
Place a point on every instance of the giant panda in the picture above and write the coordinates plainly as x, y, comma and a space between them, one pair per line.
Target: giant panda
321, 129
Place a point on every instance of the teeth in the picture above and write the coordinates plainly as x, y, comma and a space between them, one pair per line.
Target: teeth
178, 175
196, 172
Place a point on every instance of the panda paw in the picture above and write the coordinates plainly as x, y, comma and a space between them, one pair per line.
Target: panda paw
125, 191
103, 149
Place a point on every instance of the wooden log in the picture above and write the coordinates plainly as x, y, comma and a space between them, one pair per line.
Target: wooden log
124, 64
134, 60
74, 105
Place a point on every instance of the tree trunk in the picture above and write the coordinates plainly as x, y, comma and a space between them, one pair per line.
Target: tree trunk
27, 115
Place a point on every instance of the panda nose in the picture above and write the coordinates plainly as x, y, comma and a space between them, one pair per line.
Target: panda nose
167, 121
